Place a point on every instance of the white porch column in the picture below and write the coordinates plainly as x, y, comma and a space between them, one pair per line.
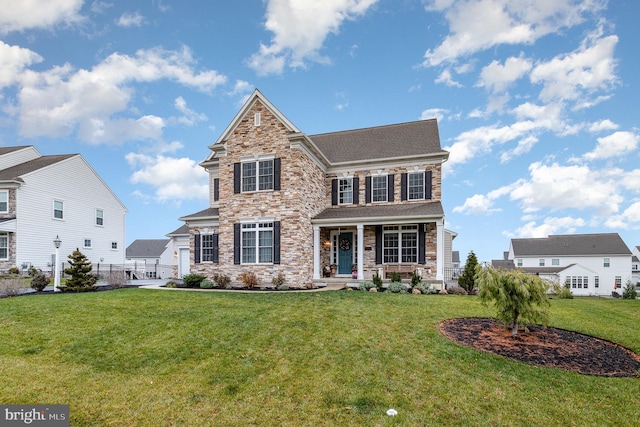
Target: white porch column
440, 249
360, 228
316, 252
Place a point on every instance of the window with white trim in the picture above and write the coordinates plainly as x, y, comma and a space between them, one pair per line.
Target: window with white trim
596, 281
345, 191
4, 201
114, 245
379, 188
606, 262
257, 243
618, 280
99, 217
415, 186
541, 262
519, 262
206, 246
58, 209
579, 282
400, 244
257, 175
87, 243
4, 246
555, 261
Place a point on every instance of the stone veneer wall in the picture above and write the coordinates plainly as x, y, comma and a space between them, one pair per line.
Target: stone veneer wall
301, 197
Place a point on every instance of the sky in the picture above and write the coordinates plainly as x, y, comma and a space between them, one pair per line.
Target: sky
536, 100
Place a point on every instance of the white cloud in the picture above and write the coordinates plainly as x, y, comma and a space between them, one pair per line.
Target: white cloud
446, 78
299, 30
628, 219
25, 14
497, 77
100, 6
127, 20
551, 225
61, 100
477, 25
602, 125
618, 144
524, 146
430, 113
189, 117
476, 204
13, 61
172, 179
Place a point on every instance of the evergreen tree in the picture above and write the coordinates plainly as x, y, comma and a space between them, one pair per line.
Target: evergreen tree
467, 279
81, 279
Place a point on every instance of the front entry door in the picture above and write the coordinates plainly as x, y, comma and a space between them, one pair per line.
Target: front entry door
345, 252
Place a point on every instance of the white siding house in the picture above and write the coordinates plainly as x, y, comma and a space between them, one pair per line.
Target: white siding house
635, 266
180, 248
150, 258
592, 264
44, 197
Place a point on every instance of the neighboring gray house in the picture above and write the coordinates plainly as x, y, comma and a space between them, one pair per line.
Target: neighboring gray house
150, 258
44, 197
592, 264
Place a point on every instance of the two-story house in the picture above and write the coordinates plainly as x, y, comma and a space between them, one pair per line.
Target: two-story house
150, 258
591, 264
284, 202
44, 197
635, 266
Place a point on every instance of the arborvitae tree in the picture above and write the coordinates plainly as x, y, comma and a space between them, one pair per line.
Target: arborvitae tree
466, 280
519, 298
81, 279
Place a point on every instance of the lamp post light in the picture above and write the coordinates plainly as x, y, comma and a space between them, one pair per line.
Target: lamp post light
56, 270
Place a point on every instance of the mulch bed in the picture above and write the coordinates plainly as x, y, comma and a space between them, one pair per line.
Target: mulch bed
548, 347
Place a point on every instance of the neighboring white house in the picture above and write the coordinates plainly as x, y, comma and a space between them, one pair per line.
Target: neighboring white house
150, 259
592, 264
180, 249
44, 197
635, 266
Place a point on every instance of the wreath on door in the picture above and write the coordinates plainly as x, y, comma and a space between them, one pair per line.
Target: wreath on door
345, 244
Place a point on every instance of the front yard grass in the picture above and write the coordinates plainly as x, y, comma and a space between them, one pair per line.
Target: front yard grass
157, 358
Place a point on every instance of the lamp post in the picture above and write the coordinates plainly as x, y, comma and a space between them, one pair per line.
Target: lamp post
56, 271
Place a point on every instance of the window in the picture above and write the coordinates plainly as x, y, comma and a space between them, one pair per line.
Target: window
400, 244
345, 191
585, 282
519, 262
618, 282
58, 209
579, 282
99, 217
596, 281
257, 243
257, 175
4, 201
114, 245
207, 247
541, 262
607, 262
4, 246
555, 261
87, 243
379, 188
415, 186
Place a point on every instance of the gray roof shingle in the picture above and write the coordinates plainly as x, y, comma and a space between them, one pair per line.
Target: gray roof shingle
15, 172
410, 139
416, 210
571, 244
146, 248
183, 230
205, 213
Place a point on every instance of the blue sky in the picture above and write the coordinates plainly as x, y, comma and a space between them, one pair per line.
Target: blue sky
536, 99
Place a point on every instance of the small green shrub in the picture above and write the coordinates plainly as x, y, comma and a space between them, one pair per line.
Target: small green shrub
377, 281
171, 284
278, 280
416, 279
14, 270
40, 281
206, 284
629, 291
365, 286
249, 279
456, 290
397, 288
562, 291
396, 277
221, 280
425, 288
283, 287
32, 271
193, 280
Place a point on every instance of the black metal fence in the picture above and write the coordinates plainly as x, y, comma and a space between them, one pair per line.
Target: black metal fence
135, 271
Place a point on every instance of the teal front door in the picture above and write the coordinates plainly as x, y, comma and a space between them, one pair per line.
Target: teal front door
345, 252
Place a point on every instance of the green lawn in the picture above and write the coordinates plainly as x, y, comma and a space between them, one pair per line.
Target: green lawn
135, 357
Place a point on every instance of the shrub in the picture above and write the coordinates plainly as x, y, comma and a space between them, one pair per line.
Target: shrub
629, 291
396, 277
283, 287
365, 286
221, 280
377, 281
80, 271
14, 270
9, 287
425, 288
278, 280
467, 279
40, 281
397, 288
249, 279
32, 271
456, 290
171, 284
193, 280
206, 284
562, 291
416, 279
116, 280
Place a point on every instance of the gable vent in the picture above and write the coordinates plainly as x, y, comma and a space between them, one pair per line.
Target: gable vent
256, 119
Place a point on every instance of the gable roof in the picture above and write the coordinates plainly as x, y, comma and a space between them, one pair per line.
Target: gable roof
183, 230
571, 245
5, 150
15, 172
401, 140
146, 248
209, 213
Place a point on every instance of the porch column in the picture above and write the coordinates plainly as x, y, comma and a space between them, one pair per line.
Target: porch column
316, 252
360, 228
440, 249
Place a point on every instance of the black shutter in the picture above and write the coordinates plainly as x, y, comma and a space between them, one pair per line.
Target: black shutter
378, 244
196, 248
356, 190
237, 175
334, 192
276, 174
236, 244
421, 243
427, 185
403, 186
390, 189
216, 252
216, 189
276, 242
367, 189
